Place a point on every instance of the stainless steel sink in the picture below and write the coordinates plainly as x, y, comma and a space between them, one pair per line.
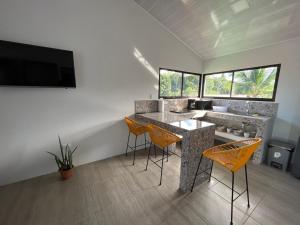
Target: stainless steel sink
245, 114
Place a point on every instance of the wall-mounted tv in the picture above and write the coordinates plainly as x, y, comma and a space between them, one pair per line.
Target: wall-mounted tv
30, 65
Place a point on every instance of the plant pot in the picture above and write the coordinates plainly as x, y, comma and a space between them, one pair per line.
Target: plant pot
237, 132
246, 134
66, 174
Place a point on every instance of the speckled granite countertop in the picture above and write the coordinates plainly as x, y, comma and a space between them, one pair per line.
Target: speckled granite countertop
180, 121
171, 117
191, 124
233, 115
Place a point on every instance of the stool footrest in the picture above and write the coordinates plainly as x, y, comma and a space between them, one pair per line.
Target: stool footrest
158, 159
238, 193
170, 152
173, 153
132, 148
155, 162
204, 171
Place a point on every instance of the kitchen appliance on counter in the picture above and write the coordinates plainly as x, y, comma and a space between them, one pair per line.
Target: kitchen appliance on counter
192, 104
202, 104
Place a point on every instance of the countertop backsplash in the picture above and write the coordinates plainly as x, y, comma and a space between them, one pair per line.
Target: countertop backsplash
268, 109
176, 104
252, 107
145, 106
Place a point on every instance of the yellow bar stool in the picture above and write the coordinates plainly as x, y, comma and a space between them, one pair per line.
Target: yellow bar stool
232, 156
136, 129
162, 139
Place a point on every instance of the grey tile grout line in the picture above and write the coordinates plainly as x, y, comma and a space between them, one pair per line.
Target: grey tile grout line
203, 218
209, 189
214, 184
247, 220
254, 209
228, 202
233, 206
248, 216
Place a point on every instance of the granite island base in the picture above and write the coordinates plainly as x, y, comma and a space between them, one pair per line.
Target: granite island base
197, 136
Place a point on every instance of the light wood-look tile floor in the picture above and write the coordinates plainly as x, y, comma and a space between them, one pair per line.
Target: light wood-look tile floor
112, 191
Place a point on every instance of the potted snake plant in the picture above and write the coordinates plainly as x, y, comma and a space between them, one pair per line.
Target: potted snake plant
65, 161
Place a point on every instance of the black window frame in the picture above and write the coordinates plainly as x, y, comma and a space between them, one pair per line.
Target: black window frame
182, 76
232, 82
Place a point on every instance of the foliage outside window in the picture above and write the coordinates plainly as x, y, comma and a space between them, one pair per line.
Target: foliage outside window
170, 83
173, 83
218, 85
257, 83
190, 85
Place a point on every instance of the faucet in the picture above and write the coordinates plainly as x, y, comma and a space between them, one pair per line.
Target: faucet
248, 106
243, 126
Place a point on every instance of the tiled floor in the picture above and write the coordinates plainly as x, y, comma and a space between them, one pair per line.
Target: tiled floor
113, 192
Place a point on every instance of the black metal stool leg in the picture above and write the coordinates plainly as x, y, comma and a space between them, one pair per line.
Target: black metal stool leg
167, 153
155, 150
134, 150
247, 185
212, 164
145, 140
162, 165
127, 142
148, 155
196, 173
232, 189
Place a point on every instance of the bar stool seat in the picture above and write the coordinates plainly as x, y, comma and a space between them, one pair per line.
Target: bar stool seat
161, 138
136, 129
231, 156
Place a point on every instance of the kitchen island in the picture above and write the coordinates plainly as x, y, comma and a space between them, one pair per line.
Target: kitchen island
197, 136
258, 116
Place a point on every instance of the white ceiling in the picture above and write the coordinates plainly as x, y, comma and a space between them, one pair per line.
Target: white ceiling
214, 28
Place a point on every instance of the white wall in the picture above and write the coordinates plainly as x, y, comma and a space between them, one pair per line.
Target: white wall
287, 125
110, 76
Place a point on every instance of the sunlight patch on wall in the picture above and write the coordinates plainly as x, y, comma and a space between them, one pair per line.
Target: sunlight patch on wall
145, 63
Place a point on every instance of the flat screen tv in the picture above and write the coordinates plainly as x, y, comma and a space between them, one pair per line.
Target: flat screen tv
30, 65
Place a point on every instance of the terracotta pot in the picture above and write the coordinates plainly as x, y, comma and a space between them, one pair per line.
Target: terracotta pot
66, 174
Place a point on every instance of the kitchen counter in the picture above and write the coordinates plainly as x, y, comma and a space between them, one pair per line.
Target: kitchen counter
263, 125
197, 136
261, 117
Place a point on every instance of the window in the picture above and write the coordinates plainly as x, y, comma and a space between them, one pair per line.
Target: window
170, 83
257, 83
218, 85
191, 83
177, 84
